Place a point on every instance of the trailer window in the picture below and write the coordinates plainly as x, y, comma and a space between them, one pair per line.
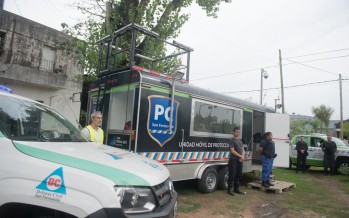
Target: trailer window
121, 110
209, 118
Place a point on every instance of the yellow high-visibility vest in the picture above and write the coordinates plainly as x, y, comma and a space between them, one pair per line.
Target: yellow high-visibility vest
93, 136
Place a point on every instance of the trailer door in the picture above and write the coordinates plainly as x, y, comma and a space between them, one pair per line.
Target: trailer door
279, 126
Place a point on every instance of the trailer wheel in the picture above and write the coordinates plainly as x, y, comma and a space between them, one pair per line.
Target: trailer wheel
208, 182
223, 174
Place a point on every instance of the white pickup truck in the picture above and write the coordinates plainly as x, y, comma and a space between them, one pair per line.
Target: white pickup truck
48, 169
316, 155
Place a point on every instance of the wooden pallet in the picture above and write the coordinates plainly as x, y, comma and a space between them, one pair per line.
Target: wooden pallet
279, 186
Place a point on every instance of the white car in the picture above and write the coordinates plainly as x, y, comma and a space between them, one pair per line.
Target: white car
48, 169
316, 155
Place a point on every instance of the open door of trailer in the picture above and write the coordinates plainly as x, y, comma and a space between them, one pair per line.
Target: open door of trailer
279, 126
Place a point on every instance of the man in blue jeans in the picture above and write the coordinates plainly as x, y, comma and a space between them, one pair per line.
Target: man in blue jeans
267, 151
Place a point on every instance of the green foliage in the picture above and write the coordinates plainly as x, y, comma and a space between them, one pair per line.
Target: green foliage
346, 130
162, 16
297, 127
310, 195
323, 113
315, 124
302, 126
313, 196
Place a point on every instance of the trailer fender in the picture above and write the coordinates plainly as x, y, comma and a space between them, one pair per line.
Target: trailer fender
201, 169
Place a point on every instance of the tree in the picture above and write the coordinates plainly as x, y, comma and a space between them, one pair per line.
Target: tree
300, 126
323, 113
346, 130
165, 17
297, 127
314, 124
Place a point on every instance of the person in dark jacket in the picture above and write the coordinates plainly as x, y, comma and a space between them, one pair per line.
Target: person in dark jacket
267, 151
235, 163
329, 148
302, 153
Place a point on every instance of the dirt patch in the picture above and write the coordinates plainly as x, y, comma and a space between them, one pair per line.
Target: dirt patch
227, 206
256, 203
221, 205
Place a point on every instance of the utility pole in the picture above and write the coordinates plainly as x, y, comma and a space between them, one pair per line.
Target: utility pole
261, 98
341, 105
108, 6
282, 84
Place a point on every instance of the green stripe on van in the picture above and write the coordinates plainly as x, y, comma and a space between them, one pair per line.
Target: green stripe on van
1, 135
166, 91
118, 89
118, 176
248, 110
133, 86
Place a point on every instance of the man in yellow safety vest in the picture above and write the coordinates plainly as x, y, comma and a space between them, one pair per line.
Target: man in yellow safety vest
93, 132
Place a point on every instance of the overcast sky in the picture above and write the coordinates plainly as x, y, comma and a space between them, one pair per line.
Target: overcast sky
230, 51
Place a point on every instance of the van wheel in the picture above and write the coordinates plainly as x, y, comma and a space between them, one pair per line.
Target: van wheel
343, 166
223, 174
208, 182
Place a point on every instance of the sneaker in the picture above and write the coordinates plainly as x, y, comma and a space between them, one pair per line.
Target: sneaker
264, 184
239, 192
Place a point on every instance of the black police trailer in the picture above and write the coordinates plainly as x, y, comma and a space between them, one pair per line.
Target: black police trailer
138, 106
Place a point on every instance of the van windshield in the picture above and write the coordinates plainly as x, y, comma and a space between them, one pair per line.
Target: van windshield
338, 142
29, 121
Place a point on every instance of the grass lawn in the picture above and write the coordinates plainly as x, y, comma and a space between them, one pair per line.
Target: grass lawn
315, 192
315, 195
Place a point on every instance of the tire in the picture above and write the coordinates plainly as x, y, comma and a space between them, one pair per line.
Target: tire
209, 181
343, 166
223, 174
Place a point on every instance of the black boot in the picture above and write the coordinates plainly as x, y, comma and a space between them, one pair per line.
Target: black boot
237, 191
268, 182
230, 191
265, 184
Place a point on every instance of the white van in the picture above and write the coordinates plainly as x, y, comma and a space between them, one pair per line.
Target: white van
47, 169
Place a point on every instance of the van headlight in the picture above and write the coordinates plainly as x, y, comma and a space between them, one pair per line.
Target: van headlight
135, 199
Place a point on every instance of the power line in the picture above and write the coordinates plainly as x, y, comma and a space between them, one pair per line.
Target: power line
266, 67
30, 37
18, 8
293, 86
233, 43
320, 59
227, 74
53, 9
324, 52
313, 67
